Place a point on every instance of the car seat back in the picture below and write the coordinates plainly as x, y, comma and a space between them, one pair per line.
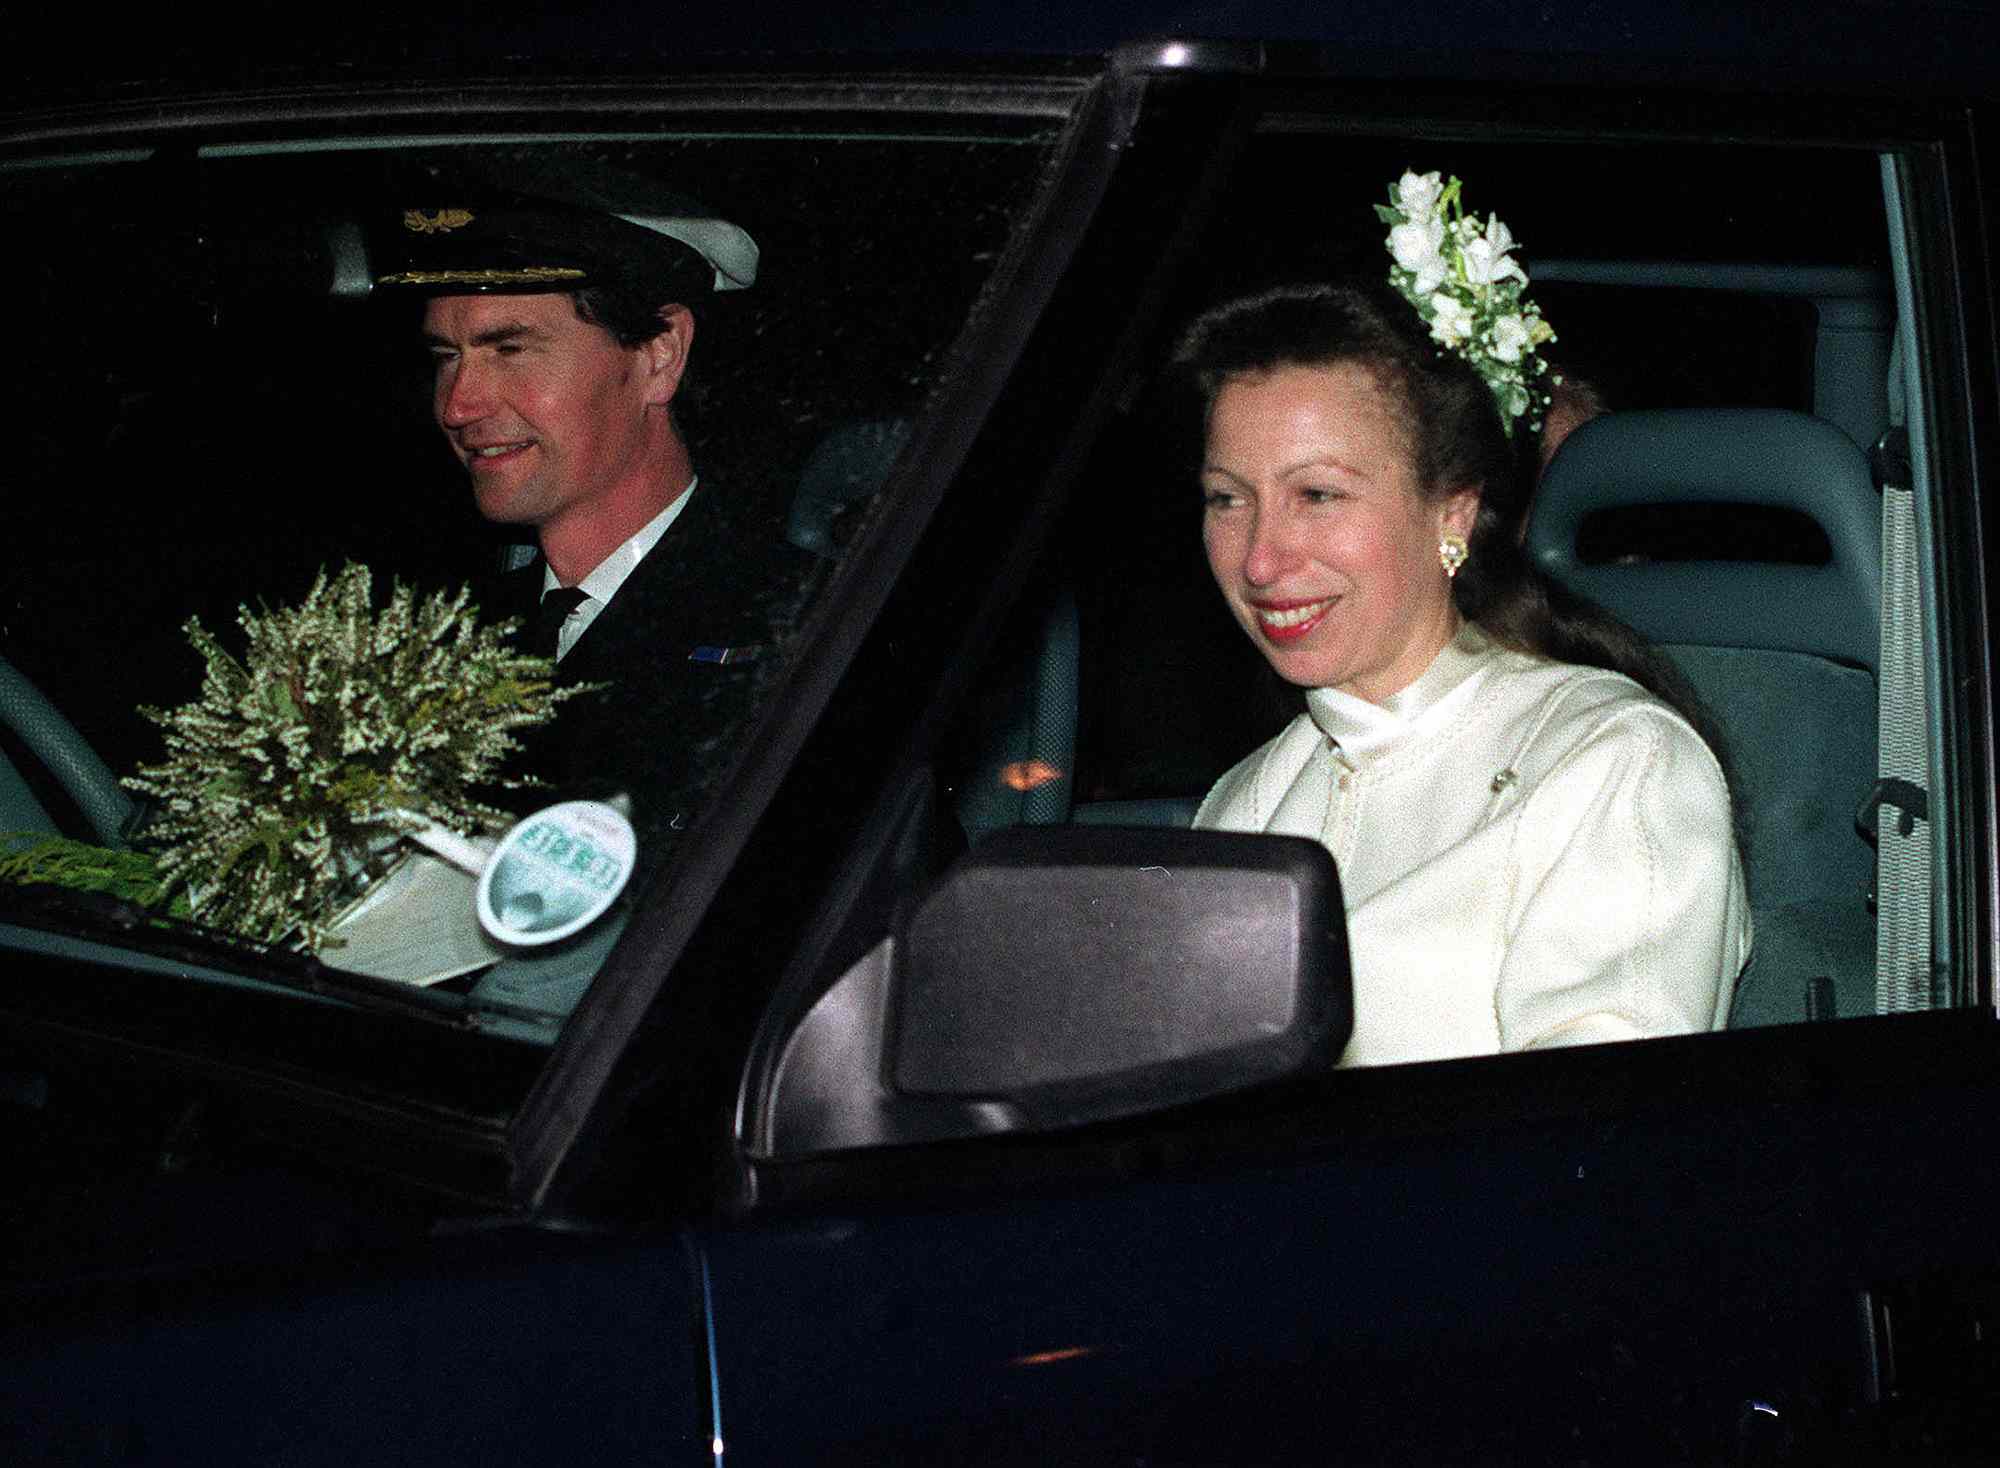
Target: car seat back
1017, 770
1782, 651
849, 463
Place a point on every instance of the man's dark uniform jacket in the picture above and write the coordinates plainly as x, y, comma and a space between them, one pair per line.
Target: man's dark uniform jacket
687, 646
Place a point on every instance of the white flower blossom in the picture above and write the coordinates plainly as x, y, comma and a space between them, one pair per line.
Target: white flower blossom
1417, 194
1451, 319
1510, 338
1418, 248
1486, 257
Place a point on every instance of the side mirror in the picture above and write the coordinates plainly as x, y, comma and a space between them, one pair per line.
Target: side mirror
1058, 975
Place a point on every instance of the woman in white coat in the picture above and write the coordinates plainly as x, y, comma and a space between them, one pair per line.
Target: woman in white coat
1533, 830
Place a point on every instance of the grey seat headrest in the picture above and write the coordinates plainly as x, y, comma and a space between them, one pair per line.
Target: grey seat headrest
1749, 456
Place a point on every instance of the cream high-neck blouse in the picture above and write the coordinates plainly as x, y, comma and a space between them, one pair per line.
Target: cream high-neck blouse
1532, 853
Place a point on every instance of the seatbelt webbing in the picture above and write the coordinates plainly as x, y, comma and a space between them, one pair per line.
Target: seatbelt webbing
1903, 937
1903, 836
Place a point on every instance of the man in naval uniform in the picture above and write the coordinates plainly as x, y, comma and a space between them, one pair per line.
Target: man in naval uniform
561, 337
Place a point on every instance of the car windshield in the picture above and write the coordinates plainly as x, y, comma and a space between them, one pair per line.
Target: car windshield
256, 552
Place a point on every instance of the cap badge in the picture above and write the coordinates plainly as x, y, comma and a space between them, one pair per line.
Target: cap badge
442, 222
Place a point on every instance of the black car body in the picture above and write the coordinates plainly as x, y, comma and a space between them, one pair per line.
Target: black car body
713, 1189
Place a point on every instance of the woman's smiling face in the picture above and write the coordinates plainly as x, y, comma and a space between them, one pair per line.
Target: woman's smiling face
1317, 534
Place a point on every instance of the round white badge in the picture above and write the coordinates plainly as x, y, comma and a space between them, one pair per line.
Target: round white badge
555, 873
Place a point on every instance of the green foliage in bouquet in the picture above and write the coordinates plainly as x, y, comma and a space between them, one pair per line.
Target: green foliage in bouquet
31, 858
287, 781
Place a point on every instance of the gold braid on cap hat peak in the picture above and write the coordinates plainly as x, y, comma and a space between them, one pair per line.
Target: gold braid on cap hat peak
1467, 286
524, 275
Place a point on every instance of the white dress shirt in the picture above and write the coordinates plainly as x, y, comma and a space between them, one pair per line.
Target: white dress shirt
611, 573
1531, 853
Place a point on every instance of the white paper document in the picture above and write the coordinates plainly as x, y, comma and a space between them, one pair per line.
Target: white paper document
418, 925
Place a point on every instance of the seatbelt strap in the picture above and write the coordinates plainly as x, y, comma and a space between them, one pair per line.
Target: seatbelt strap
1900, 801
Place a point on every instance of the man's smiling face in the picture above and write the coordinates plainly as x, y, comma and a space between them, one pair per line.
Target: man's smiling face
545, 410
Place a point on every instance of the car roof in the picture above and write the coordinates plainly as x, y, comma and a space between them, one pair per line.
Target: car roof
1866, 45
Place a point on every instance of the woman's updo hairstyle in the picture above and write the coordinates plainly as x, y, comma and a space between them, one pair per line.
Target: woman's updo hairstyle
1456, 441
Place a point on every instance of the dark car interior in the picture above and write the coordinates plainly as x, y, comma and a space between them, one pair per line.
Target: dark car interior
1746, 367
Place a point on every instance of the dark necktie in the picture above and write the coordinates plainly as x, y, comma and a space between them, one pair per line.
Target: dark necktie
557, 604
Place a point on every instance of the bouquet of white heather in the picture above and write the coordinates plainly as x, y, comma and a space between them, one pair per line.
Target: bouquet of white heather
287, 781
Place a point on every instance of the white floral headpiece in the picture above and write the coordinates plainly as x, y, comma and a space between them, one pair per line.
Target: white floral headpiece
1465, 283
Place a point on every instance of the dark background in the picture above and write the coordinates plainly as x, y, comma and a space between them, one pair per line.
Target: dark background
1773, 42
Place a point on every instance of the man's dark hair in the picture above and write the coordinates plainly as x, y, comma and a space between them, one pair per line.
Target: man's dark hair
631, 315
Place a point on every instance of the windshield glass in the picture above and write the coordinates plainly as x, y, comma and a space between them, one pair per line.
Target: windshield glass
311, 423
